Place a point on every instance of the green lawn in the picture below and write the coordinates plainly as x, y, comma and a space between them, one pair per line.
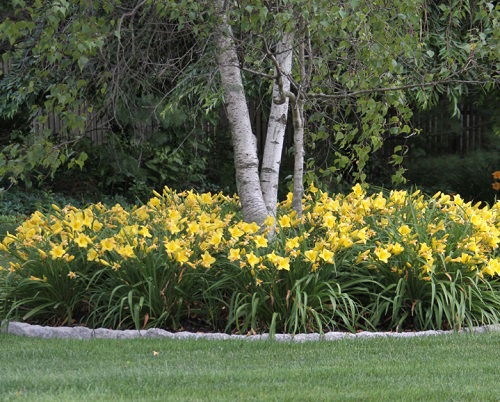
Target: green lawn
456, 367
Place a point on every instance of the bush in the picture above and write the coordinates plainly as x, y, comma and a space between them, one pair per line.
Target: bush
469, 176
19, 201
188, 261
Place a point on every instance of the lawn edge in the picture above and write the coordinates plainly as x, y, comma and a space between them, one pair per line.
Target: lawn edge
38, 331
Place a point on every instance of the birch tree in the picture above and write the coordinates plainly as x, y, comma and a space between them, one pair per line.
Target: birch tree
350, 72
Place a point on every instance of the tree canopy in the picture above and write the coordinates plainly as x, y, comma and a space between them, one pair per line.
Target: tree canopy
355, 71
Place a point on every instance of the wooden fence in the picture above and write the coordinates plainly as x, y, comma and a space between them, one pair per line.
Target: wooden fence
95, 126
443, 134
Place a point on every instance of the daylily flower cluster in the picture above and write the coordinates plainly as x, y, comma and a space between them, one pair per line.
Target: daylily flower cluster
401, 233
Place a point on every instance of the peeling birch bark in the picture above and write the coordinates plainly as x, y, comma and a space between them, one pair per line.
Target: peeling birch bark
298, 169
246, 161
271, 161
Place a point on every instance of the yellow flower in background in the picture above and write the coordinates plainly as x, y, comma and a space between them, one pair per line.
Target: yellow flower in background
464, 258
284, 221
96, 225
326, 255
439, 246
362, 256
193, 228
182, 256
71, 275
492, 268
83, 240
92, 255
56, 228
76, 224
382, 254
395, 248
312, 188
154, 202
57, 251
207, 259
171, 246
273, 257
236, 232
311, 255
358, 191
329, 220
206, 198
250, 228
379, 202
108, 244
283, 263
234, 254
252, 259
260, 241
216, 239
345, 242
361, 235
126, 251
425, 251
144, 232
398, 197
269, 221
404, 230
174, 214
142, 213
292, 243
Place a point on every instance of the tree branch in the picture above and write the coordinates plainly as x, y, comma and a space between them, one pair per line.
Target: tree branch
389, 89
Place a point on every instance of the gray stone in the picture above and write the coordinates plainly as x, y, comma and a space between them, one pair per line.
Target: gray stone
128, 334
185, 335
62, 332
103, 333
333, 336
366, 334
306, 337
81, 332
215, 336
283, 337
238, 337
156, 333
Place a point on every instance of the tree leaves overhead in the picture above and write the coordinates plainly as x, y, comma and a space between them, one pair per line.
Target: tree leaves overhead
370, 63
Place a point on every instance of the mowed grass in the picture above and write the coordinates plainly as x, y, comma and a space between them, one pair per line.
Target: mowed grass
451, 367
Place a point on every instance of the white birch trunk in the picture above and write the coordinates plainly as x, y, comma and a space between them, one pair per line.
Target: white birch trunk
271, 161
244, 143
298, 169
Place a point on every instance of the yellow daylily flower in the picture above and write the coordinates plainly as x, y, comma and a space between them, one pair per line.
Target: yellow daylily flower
57, 251
83, 240
207, 259
108, 244
260, 241
252, 259
382, 254
326, 255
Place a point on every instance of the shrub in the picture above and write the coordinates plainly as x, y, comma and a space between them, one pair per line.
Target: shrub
469, 175
187, 260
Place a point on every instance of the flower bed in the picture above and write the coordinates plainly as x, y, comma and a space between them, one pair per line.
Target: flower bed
188, 261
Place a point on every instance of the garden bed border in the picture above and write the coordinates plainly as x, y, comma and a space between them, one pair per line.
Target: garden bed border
38, 331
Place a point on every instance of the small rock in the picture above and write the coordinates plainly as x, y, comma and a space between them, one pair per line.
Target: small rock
156, 333
333, 336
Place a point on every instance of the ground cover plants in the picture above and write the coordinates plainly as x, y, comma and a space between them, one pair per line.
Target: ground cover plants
187, 261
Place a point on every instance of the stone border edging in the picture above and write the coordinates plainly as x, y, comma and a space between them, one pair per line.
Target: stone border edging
24, 329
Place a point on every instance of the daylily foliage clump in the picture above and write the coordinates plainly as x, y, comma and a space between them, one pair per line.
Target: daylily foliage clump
187, 260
